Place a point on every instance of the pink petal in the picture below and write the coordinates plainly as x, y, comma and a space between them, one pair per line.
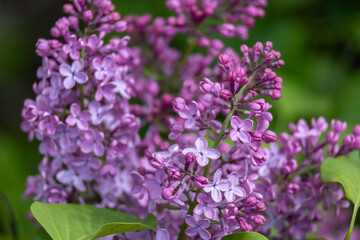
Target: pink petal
75, 109
185, 114
193, 107
233, 135
199, 209
190, 123
71, 120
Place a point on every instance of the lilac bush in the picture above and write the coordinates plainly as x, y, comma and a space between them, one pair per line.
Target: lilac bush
126, 121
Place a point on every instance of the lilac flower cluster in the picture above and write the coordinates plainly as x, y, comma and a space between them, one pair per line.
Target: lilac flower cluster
81, 114
291, 179
103, 108
202, 182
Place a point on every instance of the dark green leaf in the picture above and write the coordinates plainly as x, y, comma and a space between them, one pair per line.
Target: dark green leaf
245, 236
347, 172
75, 222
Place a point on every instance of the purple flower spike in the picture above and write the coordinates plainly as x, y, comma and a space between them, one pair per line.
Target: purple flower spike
78, 117
202, 153
206, 205
217, 185
93, 143
240, 128
190, 115
197, 226
234, 188
73, 73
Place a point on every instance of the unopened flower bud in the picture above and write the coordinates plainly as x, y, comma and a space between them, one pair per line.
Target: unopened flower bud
259, 220
356, 130
250, 201
332, 137
224, 59
245, 227
179, 104
232, 76
206, 85
231, 211
289, 166
167, 193
349, 140
292, 188
260, 207
157, 161
174, 174
338, 126
269, 137
225, 94
88, 16
201, 182
189, 159
256, 136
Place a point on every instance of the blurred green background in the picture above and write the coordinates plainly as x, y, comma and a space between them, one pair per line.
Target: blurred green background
319, 41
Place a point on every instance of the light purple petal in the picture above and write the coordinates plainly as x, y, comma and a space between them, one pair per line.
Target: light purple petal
247, 125
235, 122
187, 150
193, 107
162, 234
71, 120
82, 125
85, 115
233, 135
212, 153
204, 234
230, 196
185, 114
208, 187
245, 137
216, 195
190, 123
190, 221
199, 209
65, 176
239, 191
204, 223
217, 176
87, 147
233, 178
75, 109
99, 149
191, 231
202, 160
223, 185
69, 82
99, 75
209, 212
79, 184
65, 70
77, 66
81, 77
201, 144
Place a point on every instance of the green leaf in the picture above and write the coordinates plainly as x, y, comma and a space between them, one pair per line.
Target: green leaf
84, 222
347, 172
245, 236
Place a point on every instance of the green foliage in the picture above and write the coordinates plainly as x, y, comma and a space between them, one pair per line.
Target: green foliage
346, 171
70, 221
245, 236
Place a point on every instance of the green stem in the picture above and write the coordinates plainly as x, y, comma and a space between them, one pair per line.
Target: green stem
353, 218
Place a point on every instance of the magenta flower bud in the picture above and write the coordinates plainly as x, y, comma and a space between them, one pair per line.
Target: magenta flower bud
157, 160
164, 145
232, 76
201, 182
203, 41
250, 201
88, 16
55, 32
349, 140
259, 220
292, 188
242, 32
167, 193
244, 48
217, 44
269, 137
258, 157
42, 46
259, 105
190, 157
206, 85
166, 100
231, 211
275, 94
356, 130
259, 47
332, 137
289, 166
120, 26
224, 59
243, 80
142, 170
68, 8
282, 208
245, 227
225, 94
260, 207
174, 174
338, 126
357, 143
257, 136
227, 30
179, 104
